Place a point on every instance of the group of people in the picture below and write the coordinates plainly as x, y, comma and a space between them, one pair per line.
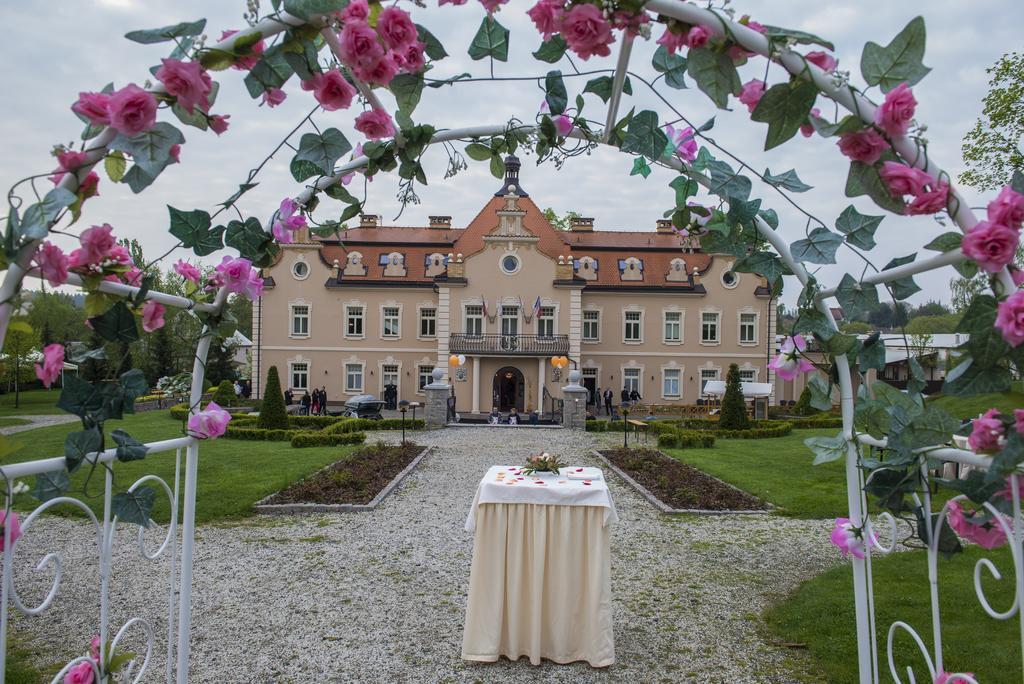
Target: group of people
627, 398
243, 389
312, 403
513, 418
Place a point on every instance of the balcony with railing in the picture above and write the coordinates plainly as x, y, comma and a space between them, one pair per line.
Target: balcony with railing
509, 345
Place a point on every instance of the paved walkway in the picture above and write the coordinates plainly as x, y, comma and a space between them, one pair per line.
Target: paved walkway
380, 596
38, 422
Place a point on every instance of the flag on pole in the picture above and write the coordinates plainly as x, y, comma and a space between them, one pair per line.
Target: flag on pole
483, 301
521, 308
536, 306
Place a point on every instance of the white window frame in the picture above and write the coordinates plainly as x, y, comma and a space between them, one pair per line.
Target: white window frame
291, 319
362, 316
553, 318
291, 374
639, 378
702, 380
398, 333
717, 313
625, 326
502, 318
664, 326
362, 376
295, 264
398, 376
751, 371
419, 375
583, 326
747, 311
665, 370
420, 319
466, 317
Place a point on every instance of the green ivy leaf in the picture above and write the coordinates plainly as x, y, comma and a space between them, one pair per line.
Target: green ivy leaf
51, 485
785, 107
407, 89
727, 183
902, 288
434, 49
304, 9
304, 61
479, 151
242, 189
856, 298
132, 384
271, 71
826, 449
930, 427
134, 506
820, 393
78, 445
150, 150
864, 180
787, 180
128, 448
554, 92
115, 165
916, 382
166, 33
193, 229
947, 544
872, 354
551, 51
116, 324
770, 217
35, 223
672, 66
898, 62
640, 167
840, 344
743, 213
767, 264
491, 40
602, 87
850, 123
967, 379
946, 242
685, 188
858, 228
497, 167
817, 248
715, 75
644, 136
251, 241
985, 344
302, 170
776, 33
323, 149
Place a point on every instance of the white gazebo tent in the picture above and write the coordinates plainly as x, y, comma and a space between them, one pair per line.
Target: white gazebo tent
751, 390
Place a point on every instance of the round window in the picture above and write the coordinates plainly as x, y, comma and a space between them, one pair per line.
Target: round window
510, 263
730, 279
300, 269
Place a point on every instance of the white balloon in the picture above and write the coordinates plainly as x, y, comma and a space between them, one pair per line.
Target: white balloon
462, 359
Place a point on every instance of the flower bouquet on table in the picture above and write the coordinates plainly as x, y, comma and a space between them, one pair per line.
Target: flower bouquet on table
541, 463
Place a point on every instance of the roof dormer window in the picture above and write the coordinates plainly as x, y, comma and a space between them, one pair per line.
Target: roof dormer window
631, 268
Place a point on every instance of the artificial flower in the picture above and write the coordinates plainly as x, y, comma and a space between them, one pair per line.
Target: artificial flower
789, 364
52, 365
209, 423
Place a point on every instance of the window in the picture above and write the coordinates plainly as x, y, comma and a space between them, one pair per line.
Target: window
353, 377
510, 264
631, 379
709, 327
510, 320
730, 279
747, 375
300, 270
673, 327
390, 317
300, 376
748, 328
428, 322
546, 321
353, 321
300, 321
631, 322
389, 375
670, 383
474, 320
424, 377
705, 375
591, 326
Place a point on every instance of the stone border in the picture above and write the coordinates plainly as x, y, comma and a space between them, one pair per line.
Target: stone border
668, 510
266, 508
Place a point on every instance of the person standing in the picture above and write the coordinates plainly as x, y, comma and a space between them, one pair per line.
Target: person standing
288, 397
451, 407
624, 397
323, 399
305, 402
634, 397
314, 402
598, 400
608, 396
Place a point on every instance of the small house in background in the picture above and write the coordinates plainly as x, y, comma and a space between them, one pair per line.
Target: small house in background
242, 356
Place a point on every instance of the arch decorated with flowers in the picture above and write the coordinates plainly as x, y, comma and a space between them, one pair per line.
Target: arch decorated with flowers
348, 53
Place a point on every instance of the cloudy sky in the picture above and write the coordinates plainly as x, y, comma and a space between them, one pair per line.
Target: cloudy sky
54, 50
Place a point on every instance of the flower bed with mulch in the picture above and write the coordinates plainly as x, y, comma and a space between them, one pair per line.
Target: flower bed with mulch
357, 479
677, 486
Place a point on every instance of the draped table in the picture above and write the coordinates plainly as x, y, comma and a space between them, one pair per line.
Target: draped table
540, 583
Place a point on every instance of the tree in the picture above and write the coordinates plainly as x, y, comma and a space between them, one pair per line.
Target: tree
927, 325
57, 318
734, 407
160, 356
930, 308
273, 415
220, 363
241, 309
803, 404
563, 222
963, 290
992, 149
888, 316
225, 394
855, 327
20, 345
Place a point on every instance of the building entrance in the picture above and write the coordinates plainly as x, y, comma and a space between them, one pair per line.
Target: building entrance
509, 389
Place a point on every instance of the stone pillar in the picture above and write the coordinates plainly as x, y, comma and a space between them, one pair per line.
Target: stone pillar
476, 384
437, 400
574, 407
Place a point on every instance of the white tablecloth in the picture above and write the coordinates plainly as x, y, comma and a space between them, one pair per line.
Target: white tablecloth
540, 584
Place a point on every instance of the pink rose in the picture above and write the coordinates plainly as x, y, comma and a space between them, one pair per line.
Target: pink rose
987, 535
943, 677
546, 16
563, 125
175, 153
698, 36
252, 288
807, 129
849, 539
986, 432
281, 234
991, 245
93, 106
492, 5
684, 142
132, 110
187, 81
219, 123
930, 201
375, 124
751, 94
94, 647
630, 23
89, 187
672, 41
395, 28
133, 276
410, 59
273, 97
187, 271
359, 45
152, 316
82, 673
331, 90
15, 525
904, 180
380, 73
53, 364
1018, 418
896, 112
1017, 276
738, 54
209, 423
586, 31
287, 221
118, 254
69, 160
789, 364
1010, 318
864, 146
822, 60
52, 263
250, 60
357, 10
1007, 208
233, 272
97, 243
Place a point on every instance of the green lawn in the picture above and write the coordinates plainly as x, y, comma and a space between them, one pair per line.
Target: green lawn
233, 474
970, 407
777, 470
13, 422
820, 614
31, 402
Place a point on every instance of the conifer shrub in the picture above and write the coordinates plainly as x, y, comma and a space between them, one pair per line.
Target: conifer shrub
734, 408
273, 415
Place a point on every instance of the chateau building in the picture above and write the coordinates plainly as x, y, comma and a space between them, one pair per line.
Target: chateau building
638, 310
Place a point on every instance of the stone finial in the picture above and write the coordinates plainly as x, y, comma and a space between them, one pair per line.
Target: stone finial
563, 268
335, 268
696, 276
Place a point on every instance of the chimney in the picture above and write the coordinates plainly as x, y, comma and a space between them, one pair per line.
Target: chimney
563, 269
578, 224
369, 220
665, 226
456, 266
442, 222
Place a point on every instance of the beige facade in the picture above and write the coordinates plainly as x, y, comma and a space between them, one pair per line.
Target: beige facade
644, 310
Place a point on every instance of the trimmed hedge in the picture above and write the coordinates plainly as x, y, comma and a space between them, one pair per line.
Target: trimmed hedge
759, 429
179, 411
597, 426
356, 424
260, 435
686, 439
315, 439
317, 422
812, 423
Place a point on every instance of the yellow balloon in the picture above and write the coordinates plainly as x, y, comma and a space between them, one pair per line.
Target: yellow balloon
554, 362
453, 360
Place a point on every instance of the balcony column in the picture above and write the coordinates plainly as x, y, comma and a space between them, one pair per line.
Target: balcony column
476, 384
540, 385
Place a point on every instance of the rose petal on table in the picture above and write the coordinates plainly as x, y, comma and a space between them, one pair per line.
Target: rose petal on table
579, 470
586, 482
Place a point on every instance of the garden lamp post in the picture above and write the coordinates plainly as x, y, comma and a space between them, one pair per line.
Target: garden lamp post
625, 428
403, 406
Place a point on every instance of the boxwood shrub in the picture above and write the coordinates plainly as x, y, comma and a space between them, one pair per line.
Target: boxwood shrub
597, 426
811, 423
686, 439
315, 439
260, 435
759, 429
356, 424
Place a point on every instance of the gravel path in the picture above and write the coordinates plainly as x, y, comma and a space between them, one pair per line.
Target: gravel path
38, 422
380, 596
